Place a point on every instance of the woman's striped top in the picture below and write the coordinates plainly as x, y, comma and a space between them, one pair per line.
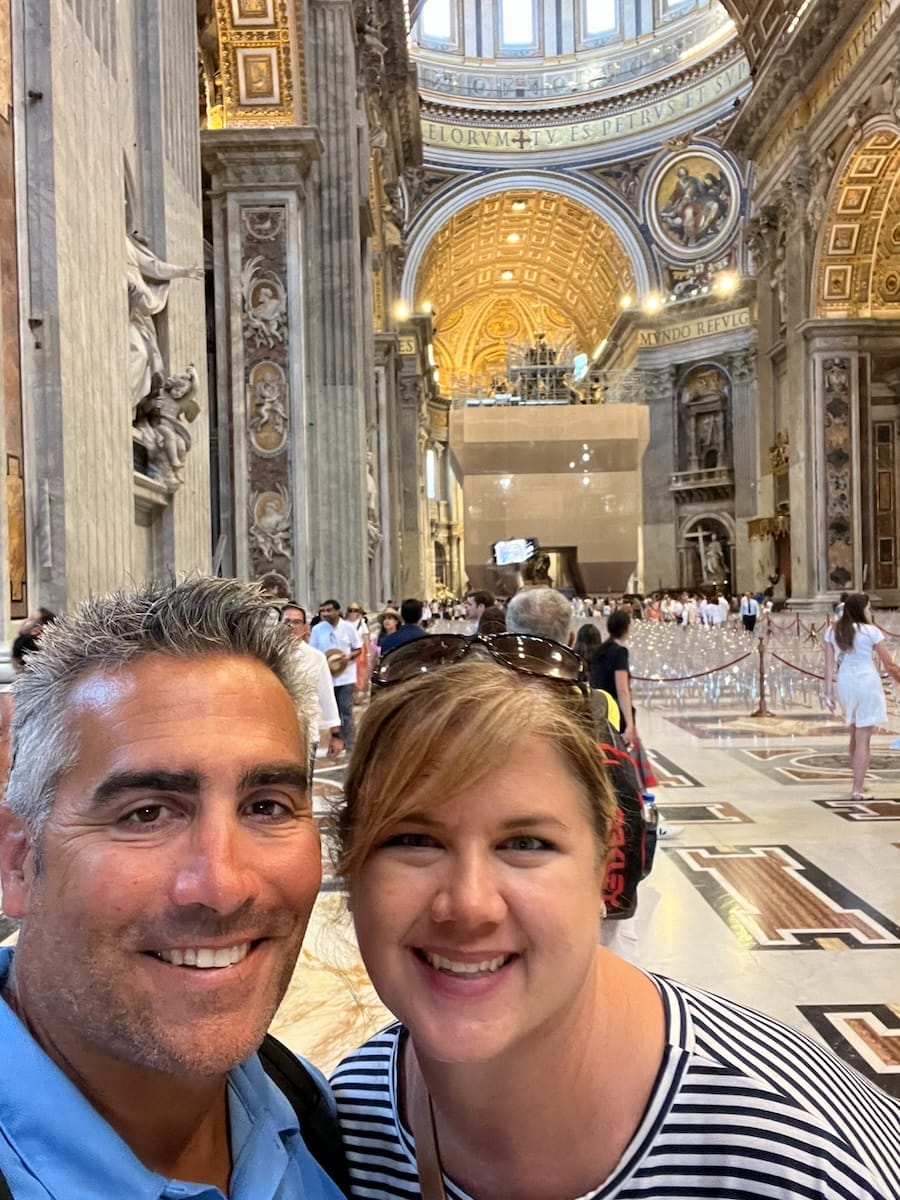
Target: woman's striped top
743, 1108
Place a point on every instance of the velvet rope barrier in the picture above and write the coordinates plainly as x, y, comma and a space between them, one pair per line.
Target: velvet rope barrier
685, 678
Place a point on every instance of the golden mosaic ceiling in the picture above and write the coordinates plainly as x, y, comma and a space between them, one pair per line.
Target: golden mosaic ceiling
859, 251
511, 264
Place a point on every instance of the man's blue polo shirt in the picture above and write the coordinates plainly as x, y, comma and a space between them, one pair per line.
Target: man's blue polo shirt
53, 1143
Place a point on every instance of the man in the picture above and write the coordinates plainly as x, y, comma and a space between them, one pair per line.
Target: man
474, 604
339, 641
545, 612
409, 630
325, 727
749, 611
158, 846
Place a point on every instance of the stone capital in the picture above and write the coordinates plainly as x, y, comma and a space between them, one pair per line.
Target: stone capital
259, 160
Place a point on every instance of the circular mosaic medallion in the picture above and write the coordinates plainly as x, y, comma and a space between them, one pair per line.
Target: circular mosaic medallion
693, 203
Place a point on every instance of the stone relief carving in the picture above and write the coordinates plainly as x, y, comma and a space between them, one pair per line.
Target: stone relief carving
160, 428
625, 178
265, 304
838, 466
270, 524
267, 408
263, 224
743, 364
820, 180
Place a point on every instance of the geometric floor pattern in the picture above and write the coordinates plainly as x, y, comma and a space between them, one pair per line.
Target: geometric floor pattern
802, 764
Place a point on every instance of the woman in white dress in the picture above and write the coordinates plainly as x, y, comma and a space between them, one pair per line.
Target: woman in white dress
849, 645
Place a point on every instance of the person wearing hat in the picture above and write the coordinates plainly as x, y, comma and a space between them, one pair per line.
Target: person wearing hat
410, 628
356, 615
341, 645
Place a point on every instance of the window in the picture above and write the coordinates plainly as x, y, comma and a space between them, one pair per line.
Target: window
437, 21
600, 17
430, 475
517, 29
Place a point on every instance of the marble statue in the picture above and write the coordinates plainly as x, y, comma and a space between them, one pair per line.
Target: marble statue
148, 279
374, 528
714, 560
161, 430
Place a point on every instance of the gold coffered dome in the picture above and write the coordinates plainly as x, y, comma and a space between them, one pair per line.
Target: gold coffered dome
514, 264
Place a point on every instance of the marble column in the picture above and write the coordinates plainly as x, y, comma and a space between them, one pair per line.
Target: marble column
659, 514
337, 413
837, 454
411, 433
260, 249
742, 366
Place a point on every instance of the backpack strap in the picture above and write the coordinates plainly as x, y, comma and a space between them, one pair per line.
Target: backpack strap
318, 1124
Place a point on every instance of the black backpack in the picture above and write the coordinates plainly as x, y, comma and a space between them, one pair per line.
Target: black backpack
318, 1124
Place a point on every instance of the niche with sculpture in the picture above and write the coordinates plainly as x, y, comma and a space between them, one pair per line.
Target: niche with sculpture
705, 421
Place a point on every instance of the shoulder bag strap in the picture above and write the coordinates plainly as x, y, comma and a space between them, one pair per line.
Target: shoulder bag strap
428, 1158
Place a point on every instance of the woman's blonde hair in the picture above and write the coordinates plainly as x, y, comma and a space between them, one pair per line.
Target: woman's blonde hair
425, 740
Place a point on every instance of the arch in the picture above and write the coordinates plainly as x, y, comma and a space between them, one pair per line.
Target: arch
856, 271
593, 196
726, 520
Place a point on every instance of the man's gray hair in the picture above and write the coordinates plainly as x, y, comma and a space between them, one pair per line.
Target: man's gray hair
540, 611
199, 618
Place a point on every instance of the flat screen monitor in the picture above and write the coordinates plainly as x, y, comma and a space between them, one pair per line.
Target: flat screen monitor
513, 550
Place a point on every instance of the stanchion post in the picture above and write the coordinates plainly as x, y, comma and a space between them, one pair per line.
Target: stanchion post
763, 710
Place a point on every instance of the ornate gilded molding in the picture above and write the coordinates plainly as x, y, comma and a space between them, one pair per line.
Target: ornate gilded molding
256, 64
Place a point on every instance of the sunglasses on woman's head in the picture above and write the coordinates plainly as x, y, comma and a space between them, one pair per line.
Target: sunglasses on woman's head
541, 657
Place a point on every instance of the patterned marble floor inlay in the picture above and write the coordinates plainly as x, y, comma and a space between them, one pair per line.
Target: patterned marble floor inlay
772, 898
864, 810
803, 725
802, 764
866, 1035
693, 811
669, 774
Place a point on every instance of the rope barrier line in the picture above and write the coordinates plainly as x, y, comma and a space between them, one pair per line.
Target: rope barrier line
794, 667
685, 678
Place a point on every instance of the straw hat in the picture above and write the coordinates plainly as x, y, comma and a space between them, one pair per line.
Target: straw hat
388, 612
337, 660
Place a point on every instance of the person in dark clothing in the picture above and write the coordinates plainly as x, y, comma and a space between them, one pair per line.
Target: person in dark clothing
410, 629
609, 670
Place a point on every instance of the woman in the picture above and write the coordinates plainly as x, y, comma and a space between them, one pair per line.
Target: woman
356, 615
528, 1062
849, 644
610, 671
588, 641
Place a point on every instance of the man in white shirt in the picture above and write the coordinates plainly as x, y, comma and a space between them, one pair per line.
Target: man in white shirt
325, 727
749, 612
333, 633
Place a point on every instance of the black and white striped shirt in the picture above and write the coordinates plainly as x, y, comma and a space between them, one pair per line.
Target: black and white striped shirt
743, 1108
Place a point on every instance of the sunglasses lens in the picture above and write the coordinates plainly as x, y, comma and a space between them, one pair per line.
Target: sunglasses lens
418, 657
537, 656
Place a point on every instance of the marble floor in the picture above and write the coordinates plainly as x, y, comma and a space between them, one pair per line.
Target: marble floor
779, 892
